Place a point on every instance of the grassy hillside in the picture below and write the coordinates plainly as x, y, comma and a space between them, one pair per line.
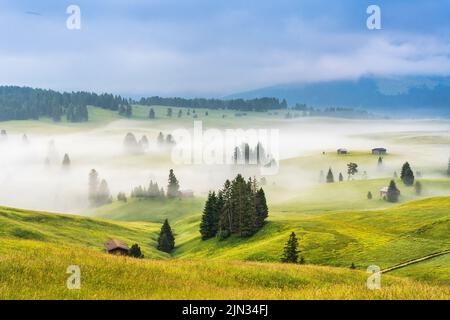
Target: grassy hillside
380, 237
74, 230
27, 265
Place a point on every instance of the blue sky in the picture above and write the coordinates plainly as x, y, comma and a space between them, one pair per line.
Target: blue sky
215, 47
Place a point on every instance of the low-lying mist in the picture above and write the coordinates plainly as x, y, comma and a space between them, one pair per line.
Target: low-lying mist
32, 174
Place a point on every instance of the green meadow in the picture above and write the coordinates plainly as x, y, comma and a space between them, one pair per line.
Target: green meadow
336, 224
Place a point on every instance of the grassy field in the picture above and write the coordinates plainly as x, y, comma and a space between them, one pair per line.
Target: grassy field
37, 270
72, 230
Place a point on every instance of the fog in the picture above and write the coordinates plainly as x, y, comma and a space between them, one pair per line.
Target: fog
32, 175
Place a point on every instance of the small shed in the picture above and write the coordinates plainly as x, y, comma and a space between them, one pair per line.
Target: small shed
379, 151
383, 192
342, 151
117, 247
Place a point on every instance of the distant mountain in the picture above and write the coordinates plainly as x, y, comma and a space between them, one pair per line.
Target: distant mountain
399, 96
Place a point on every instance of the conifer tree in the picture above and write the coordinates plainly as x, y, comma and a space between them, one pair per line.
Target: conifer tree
169, 112
209, 223
135, 251
290, 252
173, 186
93, 186
66, 161
341, 177
418, 188
369, 195
352, 169
330, 176
407, 175
160, 139
103, 194
151, 114
380, 161
448, 168
166, 240
262, 211
393, 193
180, 113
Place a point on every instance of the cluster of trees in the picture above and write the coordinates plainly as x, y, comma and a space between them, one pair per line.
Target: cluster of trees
125, 110
22, 103
98, 193
247, 155
132, 146
240, 208
306, 111
153, 191
257, 104
165, 141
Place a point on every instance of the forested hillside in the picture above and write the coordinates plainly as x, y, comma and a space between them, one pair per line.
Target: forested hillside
22, 103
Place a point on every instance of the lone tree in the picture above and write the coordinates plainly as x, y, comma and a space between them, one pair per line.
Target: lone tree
151, 114
180, 113
290, 253
169, 112
418, 188
210, 218
135, 251
369, 195
66, 161
166, 240
173, 186
407, 175
352, 169
341, 177
392, 193
448, 168
395, 175
93, 186
380, 161
330, 176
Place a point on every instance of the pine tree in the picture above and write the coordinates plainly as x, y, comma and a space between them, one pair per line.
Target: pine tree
380, 161
169, 112
448, 168
93, 186
393, 193
290, 253
341, 177
262, 211
135, 251
160, 139
173, 186
369, 195
103, 195
66, 161
151, 114
166, 240
209, 223
330, 176
180, 113
418, 188
352, 169
395, 175
407, 175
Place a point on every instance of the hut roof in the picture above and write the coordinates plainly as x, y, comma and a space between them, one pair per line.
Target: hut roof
116, 244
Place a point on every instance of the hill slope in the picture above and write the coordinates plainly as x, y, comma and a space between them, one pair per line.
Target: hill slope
63, 229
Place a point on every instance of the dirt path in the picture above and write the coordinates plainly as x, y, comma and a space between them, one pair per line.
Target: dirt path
409, 262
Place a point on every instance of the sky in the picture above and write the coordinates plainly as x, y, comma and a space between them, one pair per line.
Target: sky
214, 48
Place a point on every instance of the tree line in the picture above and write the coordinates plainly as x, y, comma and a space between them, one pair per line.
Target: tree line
23, 103
240, 208
257, 104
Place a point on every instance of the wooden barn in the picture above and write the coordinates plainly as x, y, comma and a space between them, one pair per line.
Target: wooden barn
117, 247
379, 151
